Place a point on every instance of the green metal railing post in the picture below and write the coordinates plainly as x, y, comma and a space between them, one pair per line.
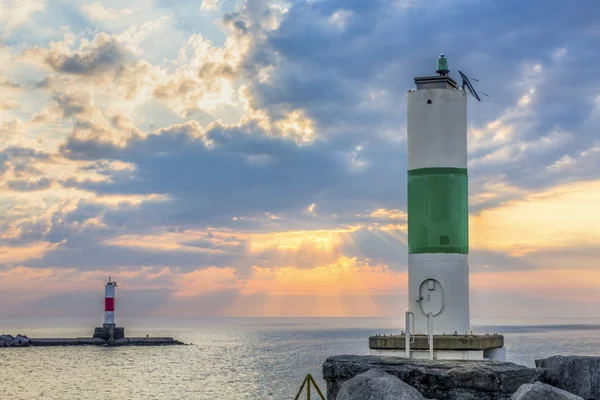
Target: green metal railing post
300, 391
308, 381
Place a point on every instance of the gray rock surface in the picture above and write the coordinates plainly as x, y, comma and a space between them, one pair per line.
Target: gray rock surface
542, 391
442, 380
579, 375
14, 341
377, 385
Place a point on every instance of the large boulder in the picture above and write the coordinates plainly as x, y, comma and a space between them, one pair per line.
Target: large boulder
11, 341
579, 375
22, 340
7, 341
377, 385
542, 391
442, 380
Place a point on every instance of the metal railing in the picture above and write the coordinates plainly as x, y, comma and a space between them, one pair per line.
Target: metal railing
407, 340
430, 334
308, 381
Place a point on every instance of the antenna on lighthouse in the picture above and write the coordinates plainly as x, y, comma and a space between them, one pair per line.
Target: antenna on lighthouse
468, 87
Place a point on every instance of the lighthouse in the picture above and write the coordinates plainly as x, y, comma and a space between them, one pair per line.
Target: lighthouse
438, 219
109, 330
437, 323
109, 303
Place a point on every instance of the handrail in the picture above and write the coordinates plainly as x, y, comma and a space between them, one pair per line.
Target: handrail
413, 324
308, 381
407, 341
430, 334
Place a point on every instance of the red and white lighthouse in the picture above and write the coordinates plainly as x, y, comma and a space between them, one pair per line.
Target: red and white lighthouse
109, 303
109, 331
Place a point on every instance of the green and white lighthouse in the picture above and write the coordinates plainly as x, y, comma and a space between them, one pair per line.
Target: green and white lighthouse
438, 218
437, 323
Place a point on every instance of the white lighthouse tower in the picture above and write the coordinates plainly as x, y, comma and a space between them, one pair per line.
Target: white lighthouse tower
438, 216
109, 330
109, 303
438, 321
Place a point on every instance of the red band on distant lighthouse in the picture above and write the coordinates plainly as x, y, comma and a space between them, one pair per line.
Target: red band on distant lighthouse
109, 304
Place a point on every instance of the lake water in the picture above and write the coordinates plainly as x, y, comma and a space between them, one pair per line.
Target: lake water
233, 358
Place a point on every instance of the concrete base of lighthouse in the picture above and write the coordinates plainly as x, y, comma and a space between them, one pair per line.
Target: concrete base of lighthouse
445, 347
109, 331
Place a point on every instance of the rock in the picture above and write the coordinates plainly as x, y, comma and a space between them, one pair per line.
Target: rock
377, 385
542, 391
7, 340
10, 341
579, 375
442, 380
22, 340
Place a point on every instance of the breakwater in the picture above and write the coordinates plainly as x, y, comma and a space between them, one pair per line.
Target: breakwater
24, 341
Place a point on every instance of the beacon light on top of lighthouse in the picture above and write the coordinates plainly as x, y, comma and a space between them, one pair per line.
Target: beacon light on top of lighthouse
109, 302
438, 234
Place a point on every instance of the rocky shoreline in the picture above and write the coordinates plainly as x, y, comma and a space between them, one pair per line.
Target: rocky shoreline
380, 378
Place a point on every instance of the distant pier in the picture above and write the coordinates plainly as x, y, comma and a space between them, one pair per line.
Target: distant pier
24, 341
132, 341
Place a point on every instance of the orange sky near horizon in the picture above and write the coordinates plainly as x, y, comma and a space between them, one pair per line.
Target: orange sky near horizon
340, 286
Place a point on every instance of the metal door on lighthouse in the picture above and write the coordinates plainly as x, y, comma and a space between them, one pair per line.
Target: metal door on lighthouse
431, 297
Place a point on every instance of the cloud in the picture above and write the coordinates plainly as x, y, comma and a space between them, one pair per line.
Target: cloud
200, 81
97, 11
103, 54
343, 288
572, 168
214, 157
554, 218
9, 89
23, 185
205, 80
17, 254
11, 129
9, 105
8, 85
211, 4
342, 284
14, 13
20, 160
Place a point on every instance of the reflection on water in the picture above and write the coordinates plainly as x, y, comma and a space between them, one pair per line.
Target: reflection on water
230, 358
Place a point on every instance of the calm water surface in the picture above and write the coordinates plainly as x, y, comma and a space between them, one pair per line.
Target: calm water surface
231, 358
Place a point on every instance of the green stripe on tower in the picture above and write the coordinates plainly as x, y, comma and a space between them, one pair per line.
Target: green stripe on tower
438, 214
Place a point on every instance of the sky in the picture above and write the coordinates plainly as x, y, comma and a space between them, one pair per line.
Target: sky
248, 158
